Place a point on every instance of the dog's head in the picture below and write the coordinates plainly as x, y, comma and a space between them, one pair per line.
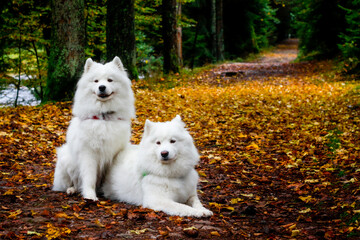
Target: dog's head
104, 88
105, 80
169, 142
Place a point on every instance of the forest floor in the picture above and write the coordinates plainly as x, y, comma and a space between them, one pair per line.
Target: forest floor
280, 158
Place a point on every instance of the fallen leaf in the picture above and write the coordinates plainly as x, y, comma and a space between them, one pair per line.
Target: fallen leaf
138, 232
215, 233
99, 224
14, 214
307, 210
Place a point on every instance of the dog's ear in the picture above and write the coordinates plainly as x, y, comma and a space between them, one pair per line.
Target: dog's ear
89, 62
147, 127
178, 120
118, 63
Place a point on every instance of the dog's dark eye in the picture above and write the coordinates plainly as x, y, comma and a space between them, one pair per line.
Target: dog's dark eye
158, 142
110, 80
172, 141
96, 81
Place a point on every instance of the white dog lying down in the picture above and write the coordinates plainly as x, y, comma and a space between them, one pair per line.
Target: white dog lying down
159, 173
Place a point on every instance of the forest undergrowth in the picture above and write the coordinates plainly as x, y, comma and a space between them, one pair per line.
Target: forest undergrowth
280, 158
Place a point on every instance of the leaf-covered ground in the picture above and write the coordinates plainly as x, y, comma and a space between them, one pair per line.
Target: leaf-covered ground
280, 158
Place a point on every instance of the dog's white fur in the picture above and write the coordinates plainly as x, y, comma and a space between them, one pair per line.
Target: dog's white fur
159, 173
99, 130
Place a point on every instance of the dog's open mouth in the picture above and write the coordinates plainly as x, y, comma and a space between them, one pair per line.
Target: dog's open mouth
104, 96
167, 160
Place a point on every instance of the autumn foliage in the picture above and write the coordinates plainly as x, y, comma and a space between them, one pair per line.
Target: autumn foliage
279, 146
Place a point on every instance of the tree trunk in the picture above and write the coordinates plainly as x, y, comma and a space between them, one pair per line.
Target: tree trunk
169, 30
120, 34
39, 92
213, 30
219, 31
67, 55
179, 34
194, 46
18, 84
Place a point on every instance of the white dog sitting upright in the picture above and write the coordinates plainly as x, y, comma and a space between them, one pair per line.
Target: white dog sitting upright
99, 130
159, 173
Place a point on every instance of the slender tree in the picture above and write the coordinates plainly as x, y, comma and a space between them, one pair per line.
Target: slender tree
179, 34
18, 84
120, 34
67, 48
213, 30
169, 30
219, 31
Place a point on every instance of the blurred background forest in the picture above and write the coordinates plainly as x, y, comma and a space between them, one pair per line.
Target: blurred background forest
158, 37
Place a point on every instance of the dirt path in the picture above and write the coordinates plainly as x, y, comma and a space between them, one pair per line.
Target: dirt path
277, 63
284, 52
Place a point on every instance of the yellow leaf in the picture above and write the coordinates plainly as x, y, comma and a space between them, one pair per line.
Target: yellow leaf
138, 232
3, 133
202, 173
242, 135
252, 146
235, 200
33, 233
214, 204
14, 214
215, 233
248, 195
305, 211
78, 216
53, 232
311, 180
352, 180
307, 199
292, 227
62, 215
41, 185
295, 233
9, 192
229, 208
190, 228
99, 224
289, 225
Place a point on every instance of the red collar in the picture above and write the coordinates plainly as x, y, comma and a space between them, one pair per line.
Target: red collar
104, 116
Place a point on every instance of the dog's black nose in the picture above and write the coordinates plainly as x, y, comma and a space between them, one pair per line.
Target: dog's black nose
102, 88
164, 154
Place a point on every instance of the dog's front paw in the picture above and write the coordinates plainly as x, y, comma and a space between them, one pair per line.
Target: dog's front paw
207, 213
201, 213
70, 190
90, 196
